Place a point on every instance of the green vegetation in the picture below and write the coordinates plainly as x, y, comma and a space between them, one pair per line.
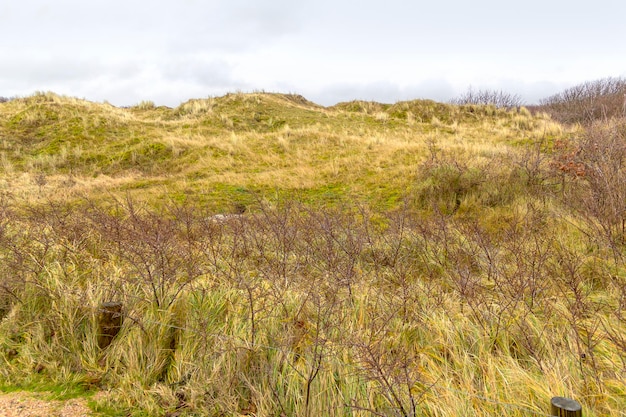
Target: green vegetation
274, 257
55, 147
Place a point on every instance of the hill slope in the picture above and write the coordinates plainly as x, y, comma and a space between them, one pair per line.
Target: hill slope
223, 148
257, 254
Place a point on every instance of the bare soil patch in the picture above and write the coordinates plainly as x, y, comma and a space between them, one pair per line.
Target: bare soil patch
23, 404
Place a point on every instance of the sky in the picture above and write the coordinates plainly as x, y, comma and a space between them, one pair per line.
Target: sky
329, 51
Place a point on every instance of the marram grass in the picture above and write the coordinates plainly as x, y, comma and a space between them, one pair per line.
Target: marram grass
57, 146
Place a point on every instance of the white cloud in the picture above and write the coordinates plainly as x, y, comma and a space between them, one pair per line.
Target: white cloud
130, 50
382, 91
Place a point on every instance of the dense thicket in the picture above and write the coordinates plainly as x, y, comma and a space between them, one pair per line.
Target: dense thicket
588, 102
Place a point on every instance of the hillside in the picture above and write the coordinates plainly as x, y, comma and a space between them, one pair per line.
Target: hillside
258, 254
228, 148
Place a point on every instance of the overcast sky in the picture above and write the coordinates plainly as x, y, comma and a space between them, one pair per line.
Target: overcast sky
327, 50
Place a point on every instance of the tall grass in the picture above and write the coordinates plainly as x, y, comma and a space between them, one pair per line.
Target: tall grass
304, 311
277, 258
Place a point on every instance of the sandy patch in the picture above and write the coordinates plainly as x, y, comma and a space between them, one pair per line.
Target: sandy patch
22, 404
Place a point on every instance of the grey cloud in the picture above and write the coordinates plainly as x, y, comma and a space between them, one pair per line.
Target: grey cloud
380, 91
386, 92
433, 89
165, 51
236, 26
199, 70
122, 83
263, 18
135, 27
173, 82
48, 70
531, 92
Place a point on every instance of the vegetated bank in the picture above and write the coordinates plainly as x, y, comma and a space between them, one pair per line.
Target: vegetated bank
410, 259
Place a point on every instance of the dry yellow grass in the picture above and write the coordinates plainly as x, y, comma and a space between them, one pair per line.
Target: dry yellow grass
408, 259
256, 141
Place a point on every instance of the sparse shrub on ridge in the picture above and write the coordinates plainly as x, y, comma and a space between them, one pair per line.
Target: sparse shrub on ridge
588, 102
145, 105
498, 98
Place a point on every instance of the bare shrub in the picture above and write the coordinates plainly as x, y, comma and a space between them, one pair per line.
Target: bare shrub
595, 165
159, 248
587, 102
392, 366
582, 310
9, 286
298, 310
449, 185
497, 98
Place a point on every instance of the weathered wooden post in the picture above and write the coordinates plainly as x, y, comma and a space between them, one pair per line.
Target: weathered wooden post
565, 407
109, 323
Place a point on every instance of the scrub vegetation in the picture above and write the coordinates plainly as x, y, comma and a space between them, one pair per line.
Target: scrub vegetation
258, 254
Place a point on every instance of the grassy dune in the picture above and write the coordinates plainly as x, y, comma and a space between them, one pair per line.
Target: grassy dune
414, 259
228, 147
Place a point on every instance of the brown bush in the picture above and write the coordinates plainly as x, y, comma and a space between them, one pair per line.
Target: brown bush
595, 163
588, 102
498, 98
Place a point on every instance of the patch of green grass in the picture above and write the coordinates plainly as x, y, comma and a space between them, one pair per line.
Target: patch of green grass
53, 390
110, 410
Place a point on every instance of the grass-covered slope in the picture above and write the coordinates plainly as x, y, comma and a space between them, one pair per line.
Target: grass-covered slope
414, 259
229, 146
